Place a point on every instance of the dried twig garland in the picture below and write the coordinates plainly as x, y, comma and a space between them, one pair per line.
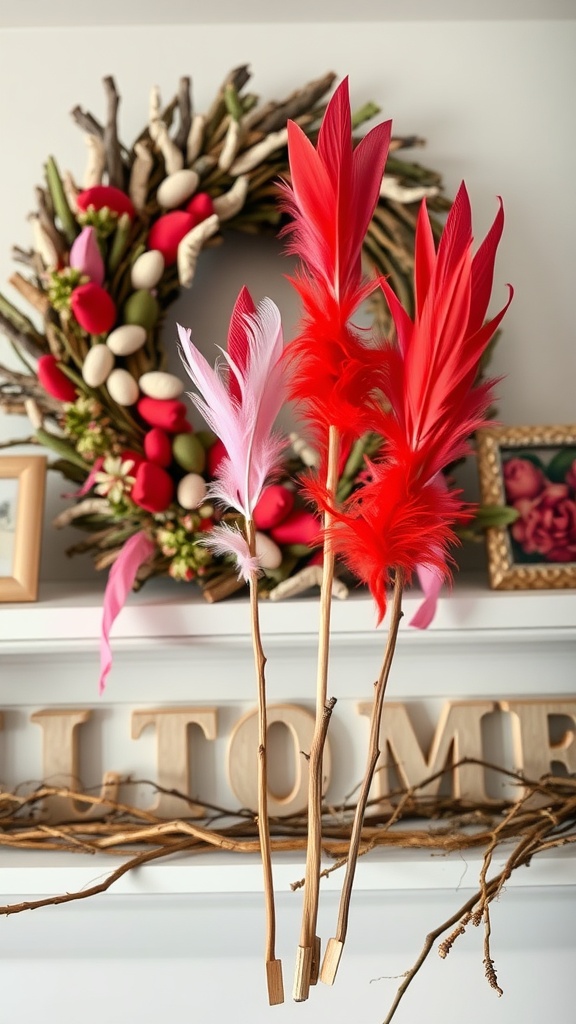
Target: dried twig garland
543, 819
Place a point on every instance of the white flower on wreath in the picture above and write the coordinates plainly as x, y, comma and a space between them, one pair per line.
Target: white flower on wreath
113, 479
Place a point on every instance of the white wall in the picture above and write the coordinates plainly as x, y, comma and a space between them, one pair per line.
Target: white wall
493, 99
149, 958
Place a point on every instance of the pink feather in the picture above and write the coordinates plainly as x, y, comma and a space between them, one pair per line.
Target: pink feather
227, 540
243, 414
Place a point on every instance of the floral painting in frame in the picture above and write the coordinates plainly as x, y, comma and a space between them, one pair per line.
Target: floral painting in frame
531, 470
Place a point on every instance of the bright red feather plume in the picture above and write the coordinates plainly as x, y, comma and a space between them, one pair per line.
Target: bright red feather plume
432, 381
434, 402
238, 348
405, 518
333, 192
394, 523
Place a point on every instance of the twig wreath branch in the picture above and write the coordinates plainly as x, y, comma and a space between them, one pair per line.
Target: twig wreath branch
543, 819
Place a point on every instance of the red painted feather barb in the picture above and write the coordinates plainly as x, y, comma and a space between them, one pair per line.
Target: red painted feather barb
393, 522
405, 518
333, 376
334, 190
436, 404
244, 309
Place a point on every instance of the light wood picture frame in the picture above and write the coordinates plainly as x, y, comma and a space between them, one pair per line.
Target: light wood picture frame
22, 487
532, 470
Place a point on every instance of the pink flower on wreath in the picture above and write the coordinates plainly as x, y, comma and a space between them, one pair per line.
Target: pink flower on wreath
522, 479
547, 525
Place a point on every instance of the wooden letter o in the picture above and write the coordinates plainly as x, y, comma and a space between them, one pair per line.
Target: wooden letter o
243, 759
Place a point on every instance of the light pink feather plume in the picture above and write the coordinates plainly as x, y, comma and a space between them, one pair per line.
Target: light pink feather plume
240, 402
227, 540
244, 424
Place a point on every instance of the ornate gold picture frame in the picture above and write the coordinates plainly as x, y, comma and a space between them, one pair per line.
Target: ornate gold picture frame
22, 484
531, 470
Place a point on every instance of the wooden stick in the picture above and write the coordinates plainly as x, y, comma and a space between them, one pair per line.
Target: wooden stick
88, 123
522, 854
17, 440
185, 111
335, 945
46, 217
114, 163
299, 101
309, 942
221, 586
273, 966
20, 337
53, 901
237, 78
30, 292
426, 949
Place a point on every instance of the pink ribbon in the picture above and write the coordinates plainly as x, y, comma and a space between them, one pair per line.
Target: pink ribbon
431, 583
135, 552
89, 481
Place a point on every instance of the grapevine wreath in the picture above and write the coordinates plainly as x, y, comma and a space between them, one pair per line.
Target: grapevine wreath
109, 257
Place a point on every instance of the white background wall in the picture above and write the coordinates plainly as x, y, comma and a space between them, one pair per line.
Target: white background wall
493, 99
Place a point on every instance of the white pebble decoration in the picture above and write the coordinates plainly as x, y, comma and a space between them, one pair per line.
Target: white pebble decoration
267, 552
97, 365
191, 490
157, 384
147, 269
126, 339
122, 387
177, 188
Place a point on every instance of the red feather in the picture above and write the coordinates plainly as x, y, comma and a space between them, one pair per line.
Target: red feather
436, 404
238, 337
404, 517
394, 522
334, 376
334, 190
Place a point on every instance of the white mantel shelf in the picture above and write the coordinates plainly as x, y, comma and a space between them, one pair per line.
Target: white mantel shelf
219, 872
483, 631
70, 614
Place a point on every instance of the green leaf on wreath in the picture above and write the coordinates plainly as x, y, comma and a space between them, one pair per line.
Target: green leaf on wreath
62, 448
